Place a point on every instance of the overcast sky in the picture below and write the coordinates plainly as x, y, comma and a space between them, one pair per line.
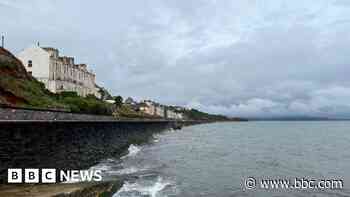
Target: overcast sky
239, 58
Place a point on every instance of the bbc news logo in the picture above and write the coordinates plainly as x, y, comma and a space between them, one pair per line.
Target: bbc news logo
31, 175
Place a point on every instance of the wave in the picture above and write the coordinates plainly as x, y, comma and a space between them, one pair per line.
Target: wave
127, 171
156, 138
132, 151
101, 166
137, 189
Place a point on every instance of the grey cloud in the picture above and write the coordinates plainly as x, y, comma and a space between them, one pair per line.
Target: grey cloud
240, 58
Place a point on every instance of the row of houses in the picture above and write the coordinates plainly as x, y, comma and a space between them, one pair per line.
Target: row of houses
155, 109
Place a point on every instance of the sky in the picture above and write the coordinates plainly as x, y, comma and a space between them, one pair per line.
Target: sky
246, 58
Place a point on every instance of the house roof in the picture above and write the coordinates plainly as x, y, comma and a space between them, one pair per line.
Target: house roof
49, 49
129, 100
142, 105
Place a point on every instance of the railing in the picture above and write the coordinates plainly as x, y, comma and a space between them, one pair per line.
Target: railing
34, 108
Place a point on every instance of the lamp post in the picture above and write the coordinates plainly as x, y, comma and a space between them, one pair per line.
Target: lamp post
2, 41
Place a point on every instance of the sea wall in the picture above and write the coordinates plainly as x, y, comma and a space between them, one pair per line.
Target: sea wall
16, 113
69, 144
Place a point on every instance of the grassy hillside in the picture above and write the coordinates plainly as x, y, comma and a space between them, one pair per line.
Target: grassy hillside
194, 114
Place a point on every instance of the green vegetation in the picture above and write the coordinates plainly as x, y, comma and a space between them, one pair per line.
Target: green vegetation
27, 93
89, 104
7, 65
194, 114
105, 95
118, 101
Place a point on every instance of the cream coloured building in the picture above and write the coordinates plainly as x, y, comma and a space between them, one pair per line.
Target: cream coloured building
156, 109
159, 111
170, 114
147, 107
58, 73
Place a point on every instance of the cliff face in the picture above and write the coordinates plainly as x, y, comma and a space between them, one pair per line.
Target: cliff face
10, 65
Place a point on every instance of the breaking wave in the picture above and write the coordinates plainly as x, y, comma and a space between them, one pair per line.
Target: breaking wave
101, 166
127, 171
139, 189
132, 151
156, 138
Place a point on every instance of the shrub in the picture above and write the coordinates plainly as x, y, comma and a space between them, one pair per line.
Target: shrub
68, 94
118, 101
90, 104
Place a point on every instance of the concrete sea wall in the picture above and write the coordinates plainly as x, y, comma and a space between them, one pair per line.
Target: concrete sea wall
69, 144
16, 113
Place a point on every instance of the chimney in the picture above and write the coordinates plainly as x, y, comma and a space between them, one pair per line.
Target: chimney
2, 41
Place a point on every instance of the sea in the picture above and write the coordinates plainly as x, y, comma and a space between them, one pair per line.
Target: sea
235, 159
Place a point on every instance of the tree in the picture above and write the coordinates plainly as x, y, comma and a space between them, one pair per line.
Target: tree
118, 101
105, 95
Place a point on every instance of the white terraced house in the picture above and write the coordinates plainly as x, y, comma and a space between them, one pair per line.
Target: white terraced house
58, 73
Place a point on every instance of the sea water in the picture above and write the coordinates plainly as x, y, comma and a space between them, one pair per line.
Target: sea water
216, 159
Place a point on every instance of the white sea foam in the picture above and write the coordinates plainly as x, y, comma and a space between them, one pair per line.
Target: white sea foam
152, 190
132, 151
125, 171
156, 135
111, 160
156, 138
101, 166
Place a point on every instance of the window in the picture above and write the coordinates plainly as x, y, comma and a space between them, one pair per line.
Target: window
30, 72
30, 63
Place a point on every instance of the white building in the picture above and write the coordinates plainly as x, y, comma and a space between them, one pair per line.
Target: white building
156, 109
179, 116
159, 111
58, 73
170, 114
110, 101
152, 108
148, 107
